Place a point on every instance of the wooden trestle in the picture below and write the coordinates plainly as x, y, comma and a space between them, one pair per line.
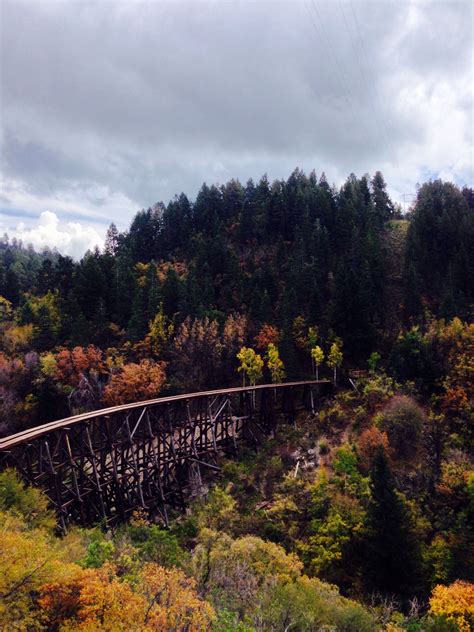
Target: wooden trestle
101, 466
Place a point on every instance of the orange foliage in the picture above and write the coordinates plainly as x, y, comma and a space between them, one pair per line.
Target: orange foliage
234, 334
454, 345
97, 599
135, 382
70, 365
174, 602
94, 600
268, 334
180, 267
368, 445
455, 400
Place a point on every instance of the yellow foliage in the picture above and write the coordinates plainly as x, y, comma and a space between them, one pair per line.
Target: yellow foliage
5, 309
28, 558
18, 337
251, 364
455, 603
48, 364
142, 269
275, 364
172, 600
160, 330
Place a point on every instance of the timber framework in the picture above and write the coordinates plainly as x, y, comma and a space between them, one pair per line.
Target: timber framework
103, 465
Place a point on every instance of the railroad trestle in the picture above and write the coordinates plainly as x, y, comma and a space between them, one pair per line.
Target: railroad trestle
101, 466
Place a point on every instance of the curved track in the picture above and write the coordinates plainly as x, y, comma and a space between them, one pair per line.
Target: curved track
102, 465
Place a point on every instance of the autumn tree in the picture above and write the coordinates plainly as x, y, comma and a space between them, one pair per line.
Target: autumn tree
267, 335
135, 382
71, 364
455, 604
275, 364
251, 365
335, 358
234, 336
196, 354
159, 599
317, 356
160, 330
370, 441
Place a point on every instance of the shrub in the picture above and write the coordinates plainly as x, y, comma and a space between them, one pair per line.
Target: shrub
368, 445
28, 503
402, 419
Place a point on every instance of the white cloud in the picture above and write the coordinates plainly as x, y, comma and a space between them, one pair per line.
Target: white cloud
109, 107
70, 238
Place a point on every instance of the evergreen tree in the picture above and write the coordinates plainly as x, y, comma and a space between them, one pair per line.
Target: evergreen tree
391, 555
382, 204
440, 249
111, 240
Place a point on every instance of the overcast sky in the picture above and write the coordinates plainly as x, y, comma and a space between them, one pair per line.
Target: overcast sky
108, 107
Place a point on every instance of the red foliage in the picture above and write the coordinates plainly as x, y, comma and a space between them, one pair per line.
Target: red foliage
268, 334
70, 365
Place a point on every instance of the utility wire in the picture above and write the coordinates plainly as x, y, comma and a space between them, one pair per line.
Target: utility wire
388, 128
363, 77
330, 64
350, 99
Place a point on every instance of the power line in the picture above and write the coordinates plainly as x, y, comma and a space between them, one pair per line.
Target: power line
363, 77
381, 104
344, 87
405, 195
333, 74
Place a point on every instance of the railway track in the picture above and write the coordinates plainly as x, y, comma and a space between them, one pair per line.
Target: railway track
102, 465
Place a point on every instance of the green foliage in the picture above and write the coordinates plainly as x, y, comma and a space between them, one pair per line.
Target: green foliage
26, 502
392, 556
219, 510
373, 361
402, 419
439, 249
98, 552
228, 622
155, 544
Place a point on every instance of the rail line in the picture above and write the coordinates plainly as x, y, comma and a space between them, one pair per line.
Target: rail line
100, 466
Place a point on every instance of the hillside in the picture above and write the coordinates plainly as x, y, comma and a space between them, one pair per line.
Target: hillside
359, 517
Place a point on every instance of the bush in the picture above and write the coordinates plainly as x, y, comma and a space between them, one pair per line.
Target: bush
378, 390
26, 502
402, 419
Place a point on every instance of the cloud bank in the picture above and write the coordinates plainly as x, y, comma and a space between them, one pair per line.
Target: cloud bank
69, 238
109, 107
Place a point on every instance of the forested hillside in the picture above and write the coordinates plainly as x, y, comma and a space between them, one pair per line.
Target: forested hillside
358, 518
170, 302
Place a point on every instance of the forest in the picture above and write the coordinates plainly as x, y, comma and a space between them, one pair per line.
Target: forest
267, 282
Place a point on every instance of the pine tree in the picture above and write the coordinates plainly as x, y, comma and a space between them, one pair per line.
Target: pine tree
382, 204
111, 240
391, 555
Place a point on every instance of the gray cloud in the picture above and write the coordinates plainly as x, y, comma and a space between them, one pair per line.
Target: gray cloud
117, 105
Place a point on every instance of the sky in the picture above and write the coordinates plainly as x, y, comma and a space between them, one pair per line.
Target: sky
108, 107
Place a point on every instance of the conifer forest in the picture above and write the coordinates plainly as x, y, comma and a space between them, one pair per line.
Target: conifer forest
358, 516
